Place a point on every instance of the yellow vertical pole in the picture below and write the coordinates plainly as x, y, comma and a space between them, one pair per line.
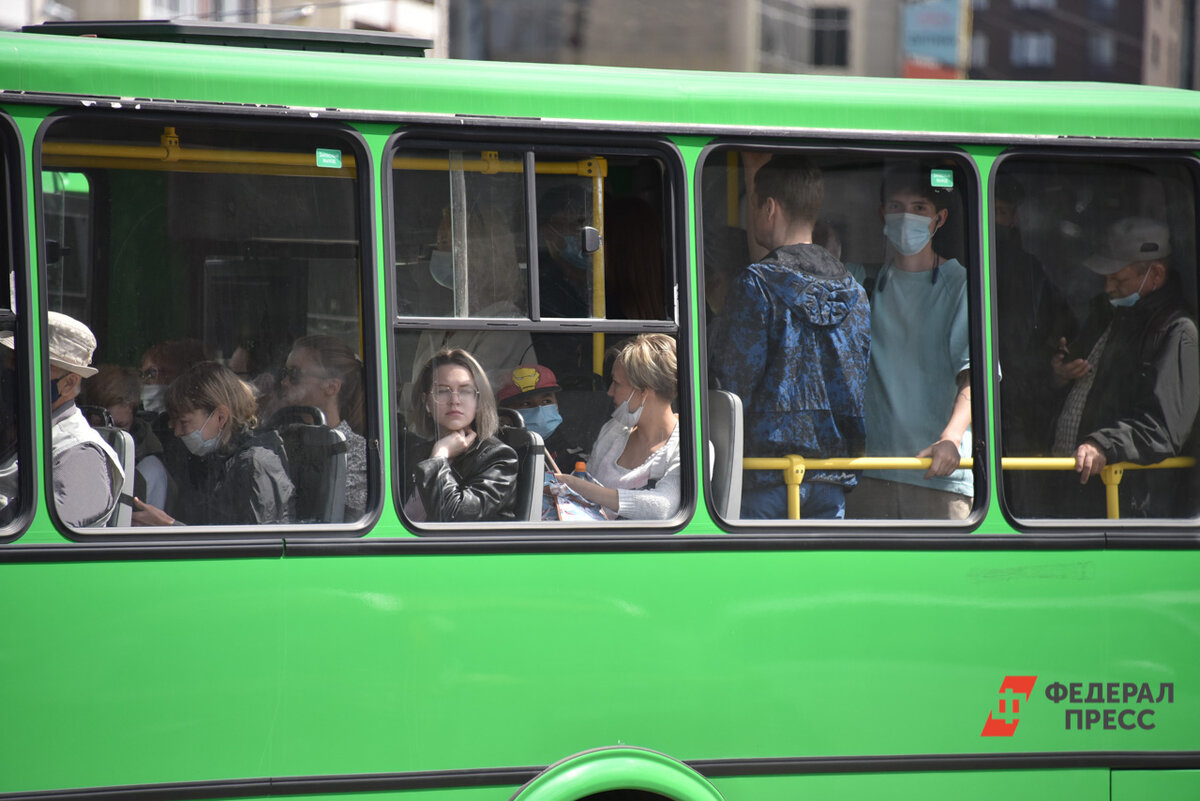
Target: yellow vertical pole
793, 476
1111, 476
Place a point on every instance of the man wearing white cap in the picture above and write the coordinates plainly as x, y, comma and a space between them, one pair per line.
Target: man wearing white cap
87, 474
1132, 377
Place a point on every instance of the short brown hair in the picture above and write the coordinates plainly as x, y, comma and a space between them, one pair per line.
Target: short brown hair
796, 184
486, 422
112, 385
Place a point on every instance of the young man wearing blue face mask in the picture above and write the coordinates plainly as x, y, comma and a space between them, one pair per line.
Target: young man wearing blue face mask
918, 398
1131, 380
532, 391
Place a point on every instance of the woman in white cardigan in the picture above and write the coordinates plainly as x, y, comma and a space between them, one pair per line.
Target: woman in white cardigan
636, 455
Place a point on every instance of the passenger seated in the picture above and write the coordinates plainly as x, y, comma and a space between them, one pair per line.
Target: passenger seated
533, 393
636, 456
162, 364
243, 478
324, 372
119, 390
455, 468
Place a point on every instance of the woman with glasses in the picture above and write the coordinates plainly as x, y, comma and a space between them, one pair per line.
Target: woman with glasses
457, 470
241, 477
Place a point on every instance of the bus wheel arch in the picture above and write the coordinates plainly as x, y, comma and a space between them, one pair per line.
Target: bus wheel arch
615, 772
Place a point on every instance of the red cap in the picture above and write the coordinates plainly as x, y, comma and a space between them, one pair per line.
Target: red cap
525, 379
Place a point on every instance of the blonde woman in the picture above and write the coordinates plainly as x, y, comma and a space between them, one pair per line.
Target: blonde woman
636, 455
456, 468
239, 478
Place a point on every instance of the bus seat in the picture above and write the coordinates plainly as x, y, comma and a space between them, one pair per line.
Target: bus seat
531, 458
316, 463
121, 442
725, 437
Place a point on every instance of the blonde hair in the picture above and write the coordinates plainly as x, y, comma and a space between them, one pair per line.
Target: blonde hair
207, 385
649, 363
420, 420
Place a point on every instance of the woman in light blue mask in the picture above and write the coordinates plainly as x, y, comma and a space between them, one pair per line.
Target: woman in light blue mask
241, 477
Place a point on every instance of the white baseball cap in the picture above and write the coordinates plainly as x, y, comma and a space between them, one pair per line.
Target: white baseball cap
1130, 239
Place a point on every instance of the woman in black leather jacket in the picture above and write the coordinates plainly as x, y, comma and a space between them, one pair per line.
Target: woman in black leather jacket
456, 468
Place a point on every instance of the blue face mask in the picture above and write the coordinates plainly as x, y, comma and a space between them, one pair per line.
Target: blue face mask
1130, 299
542, 420
908, 233
441, 267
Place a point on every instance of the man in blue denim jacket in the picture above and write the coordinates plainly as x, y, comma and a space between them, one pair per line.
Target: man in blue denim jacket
794, 343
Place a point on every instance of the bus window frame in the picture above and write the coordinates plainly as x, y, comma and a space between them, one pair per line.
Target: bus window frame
16, 197
548, 143
252, 537
1165, 532
976, 303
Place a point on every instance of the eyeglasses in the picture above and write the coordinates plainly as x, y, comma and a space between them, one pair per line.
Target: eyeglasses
444, 394
152, 374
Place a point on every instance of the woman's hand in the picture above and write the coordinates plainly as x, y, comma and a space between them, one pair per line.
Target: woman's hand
453, 444
146, 515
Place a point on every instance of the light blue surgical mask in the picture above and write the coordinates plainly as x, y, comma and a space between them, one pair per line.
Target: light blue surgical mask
1132, 298
195, 442
908, 233
441, 267
542, 420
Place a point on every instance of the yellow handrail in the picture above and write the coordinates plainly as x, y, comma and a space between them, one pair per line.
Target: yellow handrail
794, 467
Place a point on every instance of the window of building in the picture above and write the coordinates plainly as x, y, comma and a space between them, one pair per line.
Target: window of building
225, 292
1155, 49
542, 264
1102, 49
832, 376
831, 37
1096, 288
1034, 4
979, 50
785, 37
1102, 9
1032, 49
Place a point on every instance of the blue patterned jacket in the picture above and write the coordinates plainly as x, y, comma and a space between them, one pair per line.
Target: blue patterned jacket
794, 342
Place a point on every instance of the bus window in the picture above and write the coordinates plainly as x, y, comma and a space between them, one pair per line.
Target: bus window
218, 269
1095, 297
533, 273
11, 225
837, 317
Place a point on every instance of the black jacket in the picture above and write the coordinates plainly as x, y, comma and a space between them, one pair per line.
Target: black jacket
479, 484
1143, 401
243, 483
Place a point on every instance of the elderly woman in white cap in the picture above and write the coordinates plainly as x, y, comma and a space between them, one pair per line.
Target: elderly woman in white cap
87, 474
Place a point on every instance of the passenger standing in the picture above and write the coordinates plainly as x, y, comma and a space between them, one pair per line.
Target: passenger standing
794, 343
918, 400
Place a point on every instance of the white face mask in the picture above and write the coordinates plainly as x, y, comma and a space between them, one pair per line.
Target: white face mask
152, 398
195, 442
625, 417
908, 233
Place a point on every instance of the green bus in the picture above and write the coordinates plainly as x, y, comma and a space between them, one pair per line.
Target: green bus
239, 193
